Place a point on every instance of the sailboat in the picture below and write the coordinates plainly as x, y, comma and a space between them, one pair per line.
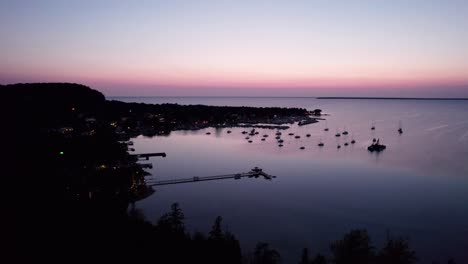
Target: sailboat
345, 132
337, 133
400, 130
320, 144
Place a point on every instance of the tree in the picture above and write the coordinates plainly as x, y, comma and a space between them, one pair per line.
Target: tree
396, 251
319, 259
216, 232
264, 255
451, 261
354, 248
305, 256
173, 220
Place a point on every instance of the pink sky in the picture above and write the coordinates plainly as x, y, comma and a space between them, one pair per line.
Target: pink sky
271, 48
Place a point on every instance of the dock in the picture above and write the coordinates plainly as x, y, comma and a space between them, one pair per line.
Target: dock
146, 165
255, 172
148, 155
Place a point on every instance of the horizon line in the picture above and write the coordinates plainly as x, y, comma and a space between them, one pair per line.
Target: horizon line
314, 97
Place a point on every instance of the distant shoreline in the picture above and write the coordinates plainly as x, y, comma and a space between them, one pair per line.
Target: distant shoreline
312, 97
392, 98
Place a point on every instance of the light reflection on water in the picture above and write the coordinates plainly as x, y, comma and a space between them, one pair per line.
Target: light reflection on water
416, 187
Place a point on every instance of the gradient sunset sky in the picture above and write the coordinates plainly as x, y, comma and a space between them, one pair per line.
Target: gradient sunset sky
240, 48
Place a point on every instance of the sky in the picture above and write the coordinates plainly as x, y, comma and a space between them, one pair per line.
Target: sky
408, 48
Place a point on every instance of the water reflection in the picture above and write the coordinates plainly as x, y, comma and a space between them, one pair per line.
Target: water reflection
416, 187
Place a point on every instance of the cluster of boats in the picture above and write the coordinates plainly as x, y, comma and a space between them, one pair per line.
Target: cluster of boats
375, 146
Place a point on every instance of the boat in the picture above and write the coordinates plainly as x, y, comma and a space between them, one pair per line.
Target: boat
353, 141
297, 136
146, 165
302, 148
208, 133
263, 139
250, 141
278, 133
247, 138
374, 140
306, 122
244, 132
376, 146
265, 136
256, 169
278, 137
337, 134
308, 135
321, 144
326, 129
400, 130
291, 134
345, 132
346, 144
338, 146
280, 145
280, 141
229, 131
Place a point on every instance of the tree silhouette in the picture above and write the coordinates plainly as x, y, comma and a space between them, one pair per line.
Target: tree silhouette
264, 255
396, 251
305, 256
354, 248
216, 232
173, 221
319, 259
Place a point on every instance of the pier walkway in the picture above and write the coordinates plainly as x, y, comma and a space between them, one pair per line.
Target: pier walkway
255, 172
148, 155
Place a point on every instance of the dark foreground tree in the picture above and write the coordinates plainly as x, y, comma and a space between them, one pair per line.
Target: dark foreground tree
224, 247
305, 259
354, 248
397, 251
319, 259
263, 254
305, 256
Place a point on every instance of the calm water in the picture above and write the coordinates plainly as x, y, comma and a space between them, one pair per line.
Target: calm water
417, 187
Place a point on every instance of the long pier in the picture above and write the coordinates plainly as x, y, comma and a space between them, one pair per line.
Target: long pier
256, 172
148, 155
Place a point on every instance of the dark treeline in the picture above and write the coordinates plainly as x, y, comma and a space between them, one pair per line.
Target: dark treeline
70, 185
64, 101
72, 181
